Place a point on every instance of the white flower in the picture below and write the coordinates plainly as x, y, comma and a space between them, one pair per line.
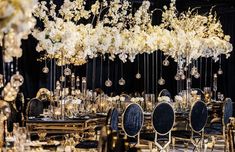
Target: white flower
164, 99
178, 98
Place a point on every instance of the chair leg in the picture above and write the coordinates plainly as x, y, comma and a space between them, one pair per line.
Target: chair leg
173, 143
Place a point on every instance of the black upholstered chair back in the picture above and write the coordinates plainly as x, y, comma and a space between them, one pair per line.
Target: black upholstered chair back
198, 116
108, 118
227, 111
164, 92
114, 119
127, 97
132, 119
35, 108
163, 118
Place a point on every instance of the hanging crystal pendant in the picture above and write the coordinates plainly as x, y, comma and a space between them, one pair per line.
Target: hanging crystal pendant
161, 81
1, 81
67, 71
220, 71
197, 75
45, 69
17, 80
122, 82
166, 62
62, 78
108, 83
177, 77
182, 77
138, 76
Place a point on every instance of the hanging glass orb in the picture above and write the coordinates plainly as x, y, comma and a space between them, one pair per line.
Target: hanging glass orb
197, 75
67, 71
161, 81
182, 77
138, 76
45, 69
17, 80
62, 78
108, 83
177, 77
220, 71
122, 82
1, 81
166, 62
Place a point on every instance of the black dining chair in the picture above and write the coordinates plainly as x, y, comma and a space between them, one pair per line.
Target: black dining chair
163, 118
164, 92
218, 129
34, 107
197, 122
111, 123
132, 121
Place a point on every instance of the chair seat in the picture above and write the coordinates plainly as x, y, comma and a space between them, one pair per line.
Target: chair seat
185, 134
87, 144
151, 137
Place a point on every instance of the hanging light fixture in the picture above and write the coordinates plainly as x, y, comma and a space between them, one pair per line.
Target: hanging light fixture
161, 81
138, 75
45, 69
108, 82
122, 80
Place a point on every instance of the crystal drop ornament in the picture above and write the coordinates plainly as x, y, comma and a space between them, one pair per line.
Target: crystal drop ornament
17, 80
62, 78
122, 82
177, 77
108, 83
197, 75
166, 62
220, 71
138, 76
45, 69
67, 71
161, 81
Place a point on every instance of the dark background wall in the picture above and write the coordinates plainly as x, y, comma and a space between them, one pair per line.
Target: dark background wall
150, 67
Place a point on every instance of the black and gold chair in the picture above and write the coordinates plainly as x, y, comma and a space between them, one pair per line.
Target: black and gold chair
34, 108
111, 122
164, 92
163, 118
132, 122
218, 127
197, 122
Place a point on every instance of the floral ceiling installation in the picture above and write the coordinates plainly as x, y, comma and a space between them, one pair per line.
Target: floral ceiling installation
16, 23
77, 30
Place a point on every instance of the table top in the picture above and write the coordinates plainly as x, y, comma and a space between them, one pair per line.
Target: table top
79, 119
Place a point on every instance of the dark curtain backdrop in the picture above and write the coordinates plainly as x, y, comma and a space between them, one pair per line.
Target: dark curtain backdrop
31, 69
